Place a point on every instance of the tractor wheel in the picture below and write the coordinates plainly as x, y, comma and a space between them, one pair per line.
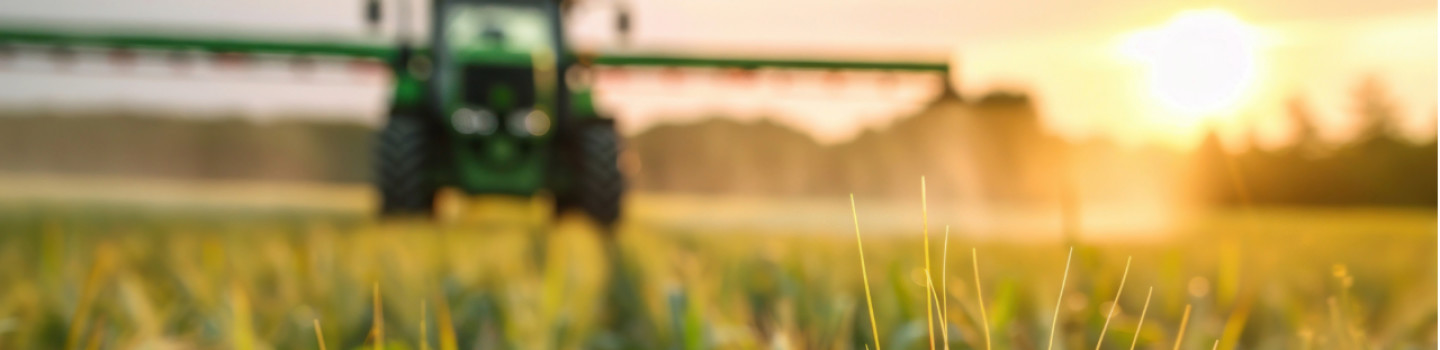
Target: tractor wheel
403, 153
599, 184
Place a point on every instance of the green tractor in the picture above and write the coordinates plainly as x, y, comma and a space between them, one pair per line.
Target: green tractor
494, 102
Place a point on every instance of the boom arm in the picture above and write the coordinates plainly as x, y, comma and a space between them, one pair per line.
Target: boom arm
379, 50
747, 63
219, 43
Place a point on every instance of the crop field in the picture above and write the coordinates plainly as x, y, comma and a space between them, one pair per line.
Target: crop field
114, 276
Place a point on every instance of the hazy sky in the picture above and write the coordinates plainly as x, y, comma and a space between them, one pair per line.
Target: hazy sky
1070, 54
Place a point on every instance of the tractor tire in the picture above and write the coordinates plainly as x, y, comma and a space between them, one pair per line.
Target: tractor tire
403, 153
599, 184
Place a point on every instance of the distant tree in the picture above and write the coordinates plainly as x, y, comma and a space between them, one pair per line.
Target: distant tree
1213, 168
1003, 98
1374, 109
1306, 138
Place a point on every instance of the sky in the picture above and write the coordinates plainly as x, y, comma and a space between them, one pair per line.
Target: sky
1098, 69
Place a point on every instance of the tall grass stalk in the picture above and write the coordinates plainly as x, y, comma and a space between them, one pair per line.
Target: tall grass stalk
1235, 323
944, 291
925, 221
1136, 339
1183, 320
864, 277
984, 320
319, 335
1113, 304
944, 272
944, 330
1055, 320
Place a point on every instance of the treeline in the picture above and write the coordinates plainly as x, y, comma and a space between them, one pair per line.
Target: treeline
990, 149
993, 150
1379, 166
184, 148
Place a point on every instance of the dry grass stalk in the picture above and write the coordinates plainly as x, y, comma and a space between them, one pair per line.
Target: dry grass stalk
925, 220
1111, 314
864, 277
1135, 340
319, 336
984, 320
944, 291
944, 330
1055, 320
1183, 320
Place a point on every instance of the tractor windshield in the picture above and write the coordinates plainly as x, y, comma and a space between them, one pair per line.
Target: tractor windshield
510, 28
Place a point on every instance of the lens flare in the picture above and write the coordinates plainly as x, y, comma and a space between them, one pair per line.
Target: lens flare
1199, 65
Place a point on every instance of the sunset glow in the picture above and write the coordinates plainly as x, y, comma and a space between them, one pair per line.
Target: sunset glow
1199, 65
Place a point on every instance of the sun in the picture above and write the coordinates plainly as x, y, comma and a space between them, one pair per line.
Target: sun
1199, 65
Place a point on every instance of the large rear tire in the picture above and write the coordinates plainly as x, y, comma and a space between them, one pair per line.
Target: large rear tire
599, 185
403, 154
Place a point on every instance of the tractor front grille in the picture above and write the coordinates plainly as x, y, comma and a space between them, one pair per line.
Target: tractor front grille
482, 82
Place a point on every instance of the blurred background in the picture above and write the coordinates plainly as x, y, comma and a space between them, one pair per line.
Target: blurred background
1270, 163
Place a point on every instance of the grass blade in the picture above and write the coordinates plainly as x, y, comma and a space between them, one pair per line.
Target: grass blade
1113, 304
1183, 320
984, 320
1055, 320
944, 330
1142, 318
925, 220
944, 291
864, 277
319, 335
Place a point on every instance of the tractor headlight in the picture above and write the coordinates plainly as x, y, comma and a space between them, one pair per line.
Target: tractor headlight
473, 121
579, 77
529, 122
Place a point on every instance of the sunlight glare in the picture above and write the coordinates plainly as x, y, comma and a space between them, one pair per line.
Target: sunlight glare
1199, 65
